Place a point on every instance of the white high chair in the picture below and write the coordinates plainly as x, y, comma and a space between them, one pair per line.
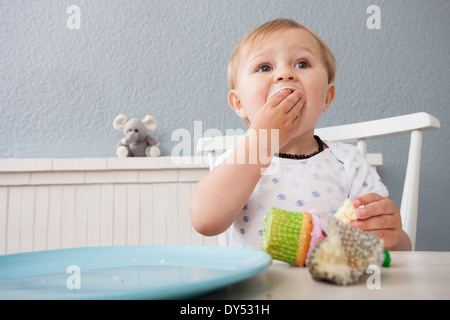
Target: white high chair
413, 124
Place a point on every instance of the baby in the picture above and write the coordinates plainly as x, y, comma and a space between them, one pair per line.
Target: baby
281, 77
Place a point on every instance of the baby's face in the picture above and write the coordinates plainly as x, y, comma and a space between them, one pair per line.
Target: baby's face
286, 59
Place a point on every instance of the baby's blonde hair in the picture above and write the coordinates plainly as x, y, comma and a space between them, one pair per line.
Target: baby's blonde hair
265, 30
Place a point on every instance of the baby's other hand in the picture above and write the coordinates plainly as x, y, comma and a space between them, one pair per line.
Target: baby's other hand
380, 216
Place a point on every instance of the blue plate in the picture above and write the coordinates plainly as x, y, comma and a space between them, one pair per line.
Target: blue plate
131, 272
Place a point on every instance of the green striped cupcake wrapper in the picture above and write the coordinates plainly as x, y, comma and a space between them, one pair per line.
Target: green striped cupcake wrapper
281, 234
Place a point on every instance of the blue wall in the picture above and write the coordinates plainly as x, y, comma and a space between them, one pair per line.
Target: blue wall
61, 89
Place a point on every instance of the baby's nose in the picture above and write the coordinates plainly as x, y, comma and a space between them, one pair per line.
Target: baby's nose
285, 74
281, 78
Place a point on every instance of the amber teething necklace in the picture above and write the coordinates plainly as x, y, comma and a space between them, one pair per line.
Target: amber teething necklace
302, 156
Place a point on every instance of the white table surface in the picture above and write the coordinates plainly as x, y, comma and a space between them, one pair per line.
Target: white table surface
411, 275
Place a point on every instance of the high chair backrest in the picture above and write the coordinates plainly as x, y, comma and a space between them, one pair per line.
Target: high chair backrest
413, 124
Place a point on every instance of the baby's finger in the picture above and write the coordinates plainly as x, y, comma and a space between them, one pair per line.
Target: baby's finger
376, 208
366, 199
364, 204
290, 101
278, 97
376, 223
296, 110
299, 105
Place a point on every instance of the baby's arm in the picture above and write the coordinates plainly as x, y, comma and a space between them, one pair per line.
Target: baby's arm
222, 193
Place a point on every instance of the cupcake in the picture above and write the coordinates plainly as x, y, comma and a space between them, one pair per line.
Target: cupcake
344, 255
290, 236
347, 212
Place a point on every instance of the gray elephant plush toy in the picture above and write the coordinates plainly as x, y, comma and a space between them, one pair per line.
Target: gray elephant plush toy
137, 142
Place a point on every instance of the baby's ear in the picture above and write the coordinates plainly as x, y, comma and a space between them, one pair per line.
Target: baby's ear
235, 104
331, 92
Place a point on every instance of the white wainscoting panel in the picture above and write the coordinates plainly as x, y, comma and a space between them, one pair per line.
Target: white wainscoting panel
62, 203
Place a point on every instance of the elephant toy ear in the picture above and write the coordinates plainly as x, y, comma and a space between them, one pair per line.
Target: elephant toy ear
150, 123
119, 122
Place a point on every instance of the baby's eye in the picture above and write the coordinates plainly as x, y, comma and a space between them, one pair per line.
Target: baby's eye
264, 68
302, 64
